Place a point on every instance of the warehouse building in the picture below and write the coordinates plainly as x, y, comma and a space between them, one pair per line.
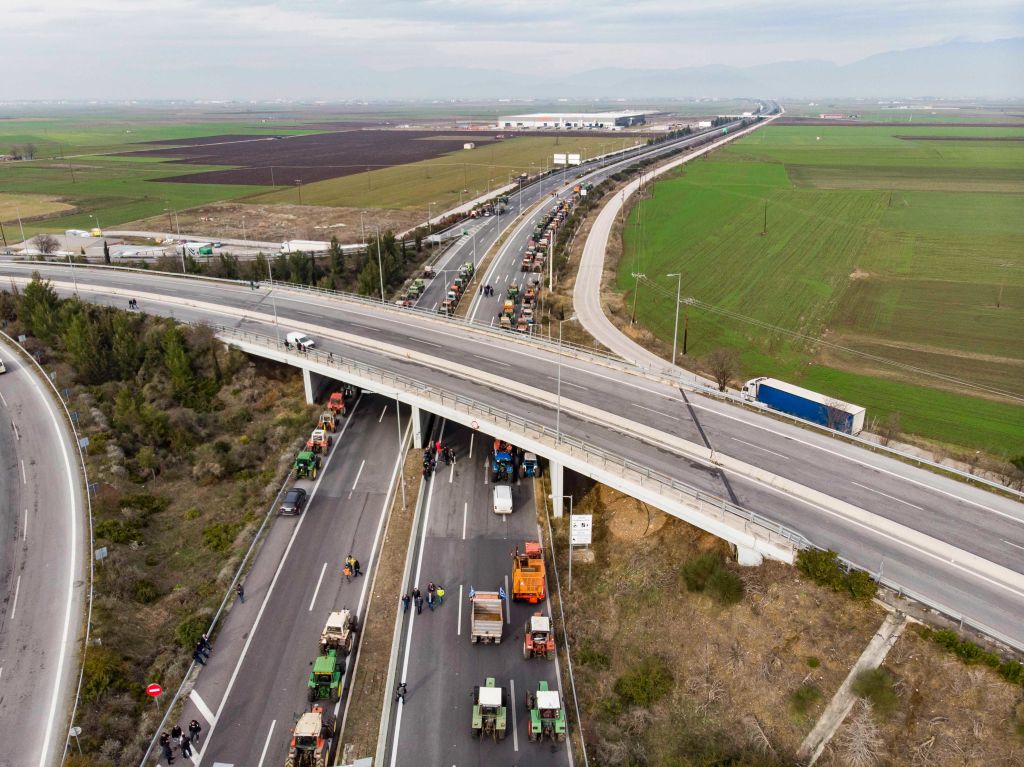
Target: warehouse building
573, 120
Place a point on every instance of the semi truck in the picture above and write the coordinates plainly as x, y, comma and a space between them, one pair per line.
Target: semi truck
806, 404
305, 246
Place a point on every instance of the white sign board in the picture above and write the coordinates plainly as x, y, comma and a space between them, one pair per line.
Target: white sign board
559, 159
574, 159
581, 527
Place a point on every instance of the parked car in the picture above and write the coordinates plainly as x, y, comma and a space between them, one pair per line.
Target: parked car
294, 501
296, 338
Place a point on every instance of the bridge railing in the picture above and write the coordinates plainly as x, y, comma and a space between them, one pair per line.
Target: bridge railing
735, 516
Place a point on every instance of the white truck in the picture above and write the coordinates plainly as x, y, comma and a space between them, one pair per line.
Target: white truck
487, 617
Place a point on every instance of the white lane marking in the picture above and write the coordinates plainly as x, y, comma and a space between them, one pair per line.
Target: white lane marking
24, 530
434, 307
201, 705
512, 705
886, 495
266, 744
412, 616
317, 589
24, 479
465, 514
656, 412
492, 362
568, 383
430, 343
270, 591
471, 445
758, 447
508, 599
2, 399
487, 472
364, 327
451, 473
382, 412
358, 475
1011, 543
458, 627
14, 606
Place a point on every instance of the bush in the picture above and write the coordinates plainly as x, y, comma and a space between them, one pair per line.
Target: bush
813, 662
146, 591
861, 585
644, 684
1012, 671
697, 571
189, 630
876, 686
803, 699
972, 654
725, 586
102, 672
220, 536
117, 530
588, 656
822, 567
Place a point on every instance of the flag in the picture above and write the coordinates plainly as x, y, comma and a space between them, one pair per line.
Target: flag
472, 592
501, 592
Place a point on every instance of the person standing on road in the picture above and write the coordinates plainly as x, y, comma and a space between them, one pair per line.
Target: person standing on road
240, 590
204, 642
194, 729
406, 599
167, 753
401, 692
176, 734
198, 657
440, 596
419, 605
431, 594
347, 572
186, 747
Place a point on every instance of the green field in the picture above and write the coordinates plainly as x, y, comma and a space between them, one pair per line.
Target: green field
440, 180
908, 249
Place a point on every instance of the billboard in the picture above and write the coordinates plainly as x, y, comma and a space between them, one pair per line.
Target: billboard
559, 159
574, 159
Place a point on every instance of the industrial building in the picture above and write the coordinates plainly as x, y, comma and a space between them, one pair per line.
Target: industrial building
572, 120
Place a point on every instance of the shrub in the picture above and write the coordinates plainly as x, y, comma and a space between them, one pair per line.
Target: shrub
971, 654
588, 656
102, 672
697, 571
1012, 671
876, 686
644, 684
220, 536
861, 585
146, 591
822, 567
813, 662
725, 586
146, 503
803, 699
189, 630
117, 530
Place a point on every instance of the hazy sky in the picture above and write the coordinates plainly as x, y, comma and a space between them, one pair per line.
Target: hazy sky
182, 48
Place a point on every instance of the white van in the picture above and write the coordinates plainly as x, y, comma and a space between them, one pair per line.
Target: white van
502, 499
300, 338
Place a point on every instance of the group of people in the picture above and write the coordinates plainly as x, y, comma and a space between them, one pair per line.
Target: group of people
351, 568
435, 595
431, 454
298, 347
486, 290
133, 303
202, 651
177, 739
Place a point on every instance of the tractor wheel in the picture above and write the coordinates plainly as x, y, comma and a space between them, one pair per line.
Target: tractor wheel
330, 441
318, 760
526, 653
502, 734
530, 733
335, 694
312, 474
289, 762
474, 732
312, 694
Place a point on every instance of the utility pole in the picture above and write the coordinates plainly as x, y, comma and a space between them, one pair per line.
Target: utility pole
675, 327
686, 323
636, 291
380, 267
765, 230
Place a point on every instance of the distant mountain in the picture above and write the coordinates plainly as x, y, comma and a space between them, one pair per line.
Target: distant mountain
954, 69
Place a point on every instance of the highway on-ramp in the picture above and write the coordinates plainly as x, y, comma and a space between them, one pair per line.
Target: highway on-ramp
43, 567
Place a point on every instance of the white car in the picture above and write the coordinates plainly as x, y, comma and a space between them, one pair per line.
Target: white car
300, 338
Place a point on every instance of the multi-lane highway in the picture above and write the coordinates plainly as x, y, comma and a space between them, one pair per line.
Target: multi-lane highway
254, 685
466, 545
43, 567
974, 521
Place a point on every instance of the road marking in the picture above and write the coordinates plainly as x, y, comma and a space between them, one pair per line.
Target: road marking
358, 475
434, 307
24, 479
266, 744
656, 412
465, 513
515, 724
14, 606
430, 343
886, 495
458, 628
382, 412
568, 383
24, 533
758, 447
2, 399
508, 598
471, 444
317, 589
451, 473
493, 362
201, 705
1010, 543
270, 590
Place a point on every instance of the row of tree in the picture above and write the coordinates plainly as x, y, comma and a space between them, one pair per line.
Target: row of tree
23, 152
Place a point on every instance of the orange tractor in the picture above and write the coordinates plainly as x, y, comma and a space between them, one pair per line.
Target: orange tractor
319, 441
336, 404
310, 745
528, 573
328, 421
538, 638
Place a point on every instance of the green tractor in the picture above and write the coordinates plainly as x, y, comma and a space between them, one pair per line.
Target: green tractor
307, 464
325, 678
547, 717
490, 711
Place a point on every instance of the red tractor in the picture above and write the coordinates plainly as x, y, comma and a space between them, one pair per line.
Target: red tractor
538, 638
336, 404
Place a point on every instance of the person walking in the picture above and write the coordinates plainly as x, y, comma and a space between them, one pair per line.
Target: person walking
186, 747
406, 600
240, 590
167, 752
437, 448
431, 594
356, 569
198, 657
440, 596
419, 605
194, 729
347, 572
401, 692
176, 734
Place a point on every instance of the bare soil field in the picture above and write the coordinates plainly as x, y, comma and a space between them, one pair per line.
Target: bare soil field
279, 222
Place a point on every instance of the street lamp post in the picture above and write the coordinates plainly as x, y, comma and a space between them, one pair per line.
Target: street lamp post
401, 457
675, 328
570, 540
558, 409
380, 267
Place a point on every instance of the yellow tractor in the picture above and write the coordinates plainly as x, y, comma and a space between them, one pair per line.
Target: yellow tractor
311, 739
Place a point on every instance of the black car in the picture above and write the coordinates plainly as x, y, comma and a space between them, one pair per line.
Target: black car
294, 501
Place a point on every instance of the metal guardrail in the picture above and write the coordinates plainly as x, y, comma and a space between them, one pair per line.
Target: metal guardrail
736, 516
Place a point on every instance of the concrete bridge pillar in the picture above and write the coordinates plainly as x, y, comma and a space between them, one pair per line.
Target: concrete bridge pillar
314, 385
748, 557
417, 428
556, 472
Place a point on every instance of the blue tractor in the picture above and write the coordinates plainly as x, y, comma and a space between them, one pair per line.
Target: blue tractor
502, 466
530, 467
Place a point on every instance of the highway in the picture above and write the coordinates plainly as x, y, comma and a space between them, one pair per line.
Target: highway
984, 524
254, 685
43, 568
465, 544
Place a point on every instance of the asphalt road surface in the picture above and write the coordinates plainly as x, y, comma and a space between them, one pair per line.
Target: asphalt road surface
254, 685
465, 544
43, 568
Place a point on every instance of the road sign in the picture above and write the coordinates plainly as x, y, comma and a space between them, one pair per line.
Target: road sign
83, 442
154, 690
559, 159
582, 528
575, 159
101, 553
74, 732
22, 338
474, 425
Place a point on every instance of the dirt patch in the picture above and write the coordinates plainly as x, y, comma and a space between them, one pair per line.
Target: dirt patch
860, 274
367, 693
276, 223
628, 519
30, 207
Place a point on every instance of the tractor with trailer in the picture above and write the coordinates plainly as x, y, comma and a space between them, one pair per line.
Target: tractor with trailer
307, 465
311, 739
319, 441
487, 618
538, 638
547, 717
490, 711
530, 467
339, 633
325, 678
502, 466
528, 573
